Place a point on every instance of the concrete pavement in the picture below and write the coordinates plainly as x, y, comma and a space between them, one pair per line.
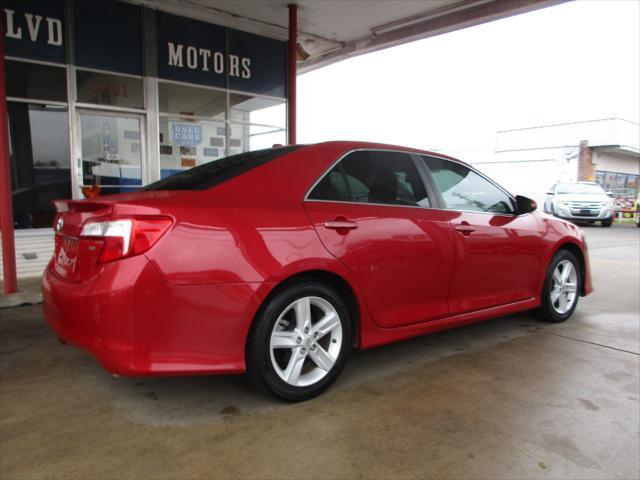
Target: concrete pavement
507, 398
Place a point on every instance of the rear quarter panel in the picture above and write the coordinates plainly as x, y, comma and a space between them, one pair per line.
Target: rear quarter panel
251, 229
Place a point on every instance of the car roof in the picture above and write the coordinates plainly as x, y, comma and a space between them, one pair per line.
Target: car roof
355, 144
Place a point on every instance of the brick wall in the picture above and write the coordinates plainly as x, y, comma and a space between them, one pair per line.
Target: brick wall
586, 167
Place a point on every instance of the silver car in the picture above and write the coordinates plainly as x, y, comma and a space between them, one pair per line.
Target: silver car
581, 201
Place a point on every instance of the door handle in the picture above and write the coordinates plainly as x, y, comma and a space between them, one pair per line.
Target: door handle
464, 228
341, 224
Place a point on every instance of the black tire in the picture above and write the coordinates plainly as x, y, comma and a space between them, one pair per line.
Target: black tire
260, 369
607, 223
546, 311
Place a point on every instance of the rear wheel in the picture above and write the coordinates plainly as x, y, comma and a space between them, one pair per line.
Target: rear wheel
300, 341
561, 288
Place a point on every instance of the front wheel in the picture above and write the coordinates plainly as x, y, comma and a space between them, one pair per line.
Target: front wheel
561, 288
607, 222
300, 341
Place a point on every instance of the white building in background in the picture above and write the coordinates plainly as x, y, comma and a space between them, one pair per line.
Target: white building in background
528, 161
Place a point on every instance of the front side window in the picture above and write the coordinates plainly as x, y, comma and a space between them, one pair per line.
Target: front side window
464, 189
378, 177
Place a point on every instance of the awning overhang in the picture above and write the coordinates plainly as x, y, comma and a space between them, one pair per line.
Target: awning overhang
333, 30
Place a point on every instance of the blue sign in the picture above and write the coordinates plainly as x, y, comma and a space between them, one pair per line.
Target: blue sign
191, 51
263, 64
199, 52
109, 36
186, 134
34, 29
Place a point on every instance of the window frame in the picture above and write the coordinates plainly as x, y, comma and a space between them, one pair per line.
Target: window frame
432, 195
482, 175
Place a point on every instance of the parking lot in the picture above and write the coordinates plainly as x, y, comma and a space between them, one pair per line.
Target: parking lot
507, 398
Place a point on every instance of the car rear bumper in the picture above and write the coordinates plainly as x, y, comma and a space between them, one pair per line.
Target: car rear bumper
134, 323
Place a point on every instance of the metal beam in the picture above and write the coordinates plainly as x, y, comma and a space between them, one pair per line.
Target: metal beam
6, 204
292, 73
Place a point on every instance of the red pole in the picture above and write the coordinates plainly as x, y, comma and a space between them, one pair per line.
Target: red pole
292, 71
6, 208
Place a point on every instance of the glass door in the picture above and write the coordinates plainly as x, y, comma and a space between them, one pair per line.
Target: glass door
112, 151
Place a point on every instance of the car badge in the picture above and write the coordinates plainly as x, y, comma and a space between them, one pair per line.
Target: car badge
59, 224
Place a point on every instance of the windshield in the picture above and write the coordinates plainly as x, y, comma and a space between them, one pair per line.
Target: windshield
579, 188
214, 173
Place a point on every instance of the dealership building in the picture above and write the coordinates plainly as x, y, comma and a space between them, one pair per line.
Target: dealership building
118, 95
115, 94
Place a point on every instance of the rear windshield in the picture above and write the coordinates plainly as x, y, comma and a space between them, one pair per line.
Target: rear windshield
579, 188
214, 173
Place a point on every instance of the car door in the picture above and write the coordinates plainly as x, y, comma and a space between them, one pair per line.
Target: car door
372, 212
498, 254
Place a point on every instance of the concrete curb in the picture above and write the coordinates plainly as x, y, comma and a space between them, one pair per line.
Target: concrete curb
28, 293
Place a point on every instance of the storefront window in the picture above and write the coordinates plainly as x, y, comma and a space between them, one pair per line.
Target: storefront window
112, 151
34, 81
258, 110
192, 127
40, 166
624, 186
257, 123
109, 89
191, 101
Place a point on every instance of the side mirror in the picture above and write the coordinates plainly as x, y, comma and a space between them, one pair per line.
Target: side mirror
610, 194
525, 205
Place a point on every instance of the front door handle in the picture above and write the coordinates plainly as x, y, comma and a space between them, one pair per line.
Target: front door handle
341, 224
464, 228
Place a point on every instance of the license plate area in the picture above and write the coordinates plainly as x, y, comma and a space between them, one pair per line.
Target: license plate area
65, 254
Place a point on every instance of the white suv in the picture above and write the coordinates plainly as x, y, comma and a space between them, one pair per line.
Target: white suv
583, 201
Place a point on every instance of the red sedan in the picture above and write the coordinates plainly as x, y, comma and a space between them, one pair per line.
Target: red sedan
278, 262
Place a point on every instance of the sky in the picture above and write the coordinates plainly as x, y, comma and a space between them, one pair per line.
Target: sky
571, 62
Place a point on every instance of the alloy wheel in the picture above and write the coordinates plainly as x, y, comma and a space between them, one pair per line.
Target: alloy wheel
306, 341
564, 287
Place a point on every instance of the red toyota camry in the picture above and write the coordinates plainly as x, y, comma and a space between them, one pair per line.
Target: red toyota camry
278, 262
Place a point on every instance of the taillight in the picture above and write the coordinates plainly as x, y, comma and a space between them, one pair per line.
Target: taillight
125, 237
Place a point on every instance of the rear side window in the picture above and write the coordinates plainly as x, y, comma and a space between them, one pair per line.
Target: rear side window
464, 189
214, 173
378, 177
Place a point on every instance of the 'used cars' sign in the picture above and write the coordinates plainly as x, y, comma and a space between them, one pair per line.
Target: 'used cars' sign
186, 134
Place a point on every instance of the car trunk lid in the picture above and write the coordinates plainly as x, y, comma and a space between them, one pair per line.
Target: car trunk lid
78, 259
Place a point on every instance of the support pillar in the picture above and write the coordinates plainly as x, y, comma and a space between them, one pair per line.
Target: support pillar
291, 73
6, 207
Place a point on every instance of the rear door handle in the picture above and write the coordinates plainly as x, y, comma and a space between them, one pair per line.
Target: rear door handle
464, 228
340, 224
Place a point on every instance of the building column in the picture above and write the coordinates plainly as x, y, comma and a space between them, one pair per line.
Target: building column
586, 167
6, 203
291, 73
